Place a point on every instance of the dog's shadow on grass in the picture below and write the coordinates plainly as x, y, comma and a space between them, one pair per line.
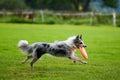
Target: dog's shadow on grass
57, 68
52, 71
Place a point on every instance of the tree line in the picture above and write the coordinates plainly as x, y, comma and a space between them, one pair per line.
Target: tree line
74, 5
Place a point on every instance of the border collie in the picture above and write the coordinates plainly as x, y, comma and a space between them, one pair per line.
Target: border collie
59, 49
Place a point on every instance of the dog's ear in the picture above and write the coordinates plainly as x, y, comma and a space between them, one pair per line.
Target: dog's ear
77, 36
81, 36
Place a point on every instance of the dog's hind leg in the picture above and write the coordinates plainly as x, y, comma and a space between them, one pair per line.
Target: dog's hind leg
27, 58
33, 61
75, 58
35, 58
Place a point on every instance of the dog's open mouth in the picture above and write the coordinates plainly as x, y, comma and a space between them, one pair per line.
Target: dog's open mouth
83, 46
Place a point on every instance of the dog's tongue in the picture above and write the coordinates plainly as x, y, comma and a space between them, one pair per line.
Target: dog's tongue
83, 52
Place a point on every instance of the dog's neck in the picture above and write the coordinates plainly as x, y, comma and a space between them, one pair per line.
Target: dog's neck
70, 44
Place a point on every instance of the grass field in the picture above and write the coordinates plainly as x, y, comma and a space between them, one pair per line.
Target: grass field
103, 48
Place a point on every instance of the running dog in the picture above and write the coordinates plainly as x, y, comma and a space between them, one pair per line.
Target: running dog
59, 49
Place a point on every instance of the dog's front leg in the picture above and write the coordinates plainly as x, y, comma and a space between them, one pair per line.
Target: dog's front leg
75, 58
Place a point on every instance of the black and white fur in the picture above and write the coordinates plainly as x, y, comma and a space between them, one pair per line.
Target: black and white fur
60, 49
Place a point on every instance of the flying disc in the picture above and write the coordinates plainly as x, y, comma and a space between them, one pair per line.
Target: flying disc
83, 52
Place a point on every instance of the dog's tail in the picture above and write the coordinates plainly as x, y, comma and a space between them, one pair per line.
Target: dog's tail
24, 46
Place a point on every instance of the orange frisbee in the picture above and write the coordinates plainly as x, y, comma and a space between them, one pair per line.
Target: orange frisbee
83, 52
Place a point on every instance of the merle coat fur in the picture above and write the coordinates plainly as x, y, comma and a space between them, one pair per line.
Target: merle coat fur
59, 49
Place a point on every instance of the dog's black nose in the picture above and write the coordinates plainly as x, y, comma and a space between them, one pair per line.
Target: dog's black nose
85, 46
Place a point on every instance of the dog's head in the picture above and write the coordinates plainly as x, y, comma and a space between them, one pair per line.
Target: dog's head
78, 41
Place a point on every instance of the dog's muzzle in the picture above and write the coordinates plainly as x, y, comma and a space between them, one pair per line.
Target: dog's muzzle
83, 46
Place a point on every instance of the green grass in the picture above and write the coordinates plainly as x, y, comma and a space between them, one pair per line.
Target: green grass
103, 48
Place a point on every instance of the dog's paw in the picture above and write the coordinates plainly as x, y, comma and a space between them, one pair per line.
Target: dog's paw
84, 62
74, 61
22, 62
